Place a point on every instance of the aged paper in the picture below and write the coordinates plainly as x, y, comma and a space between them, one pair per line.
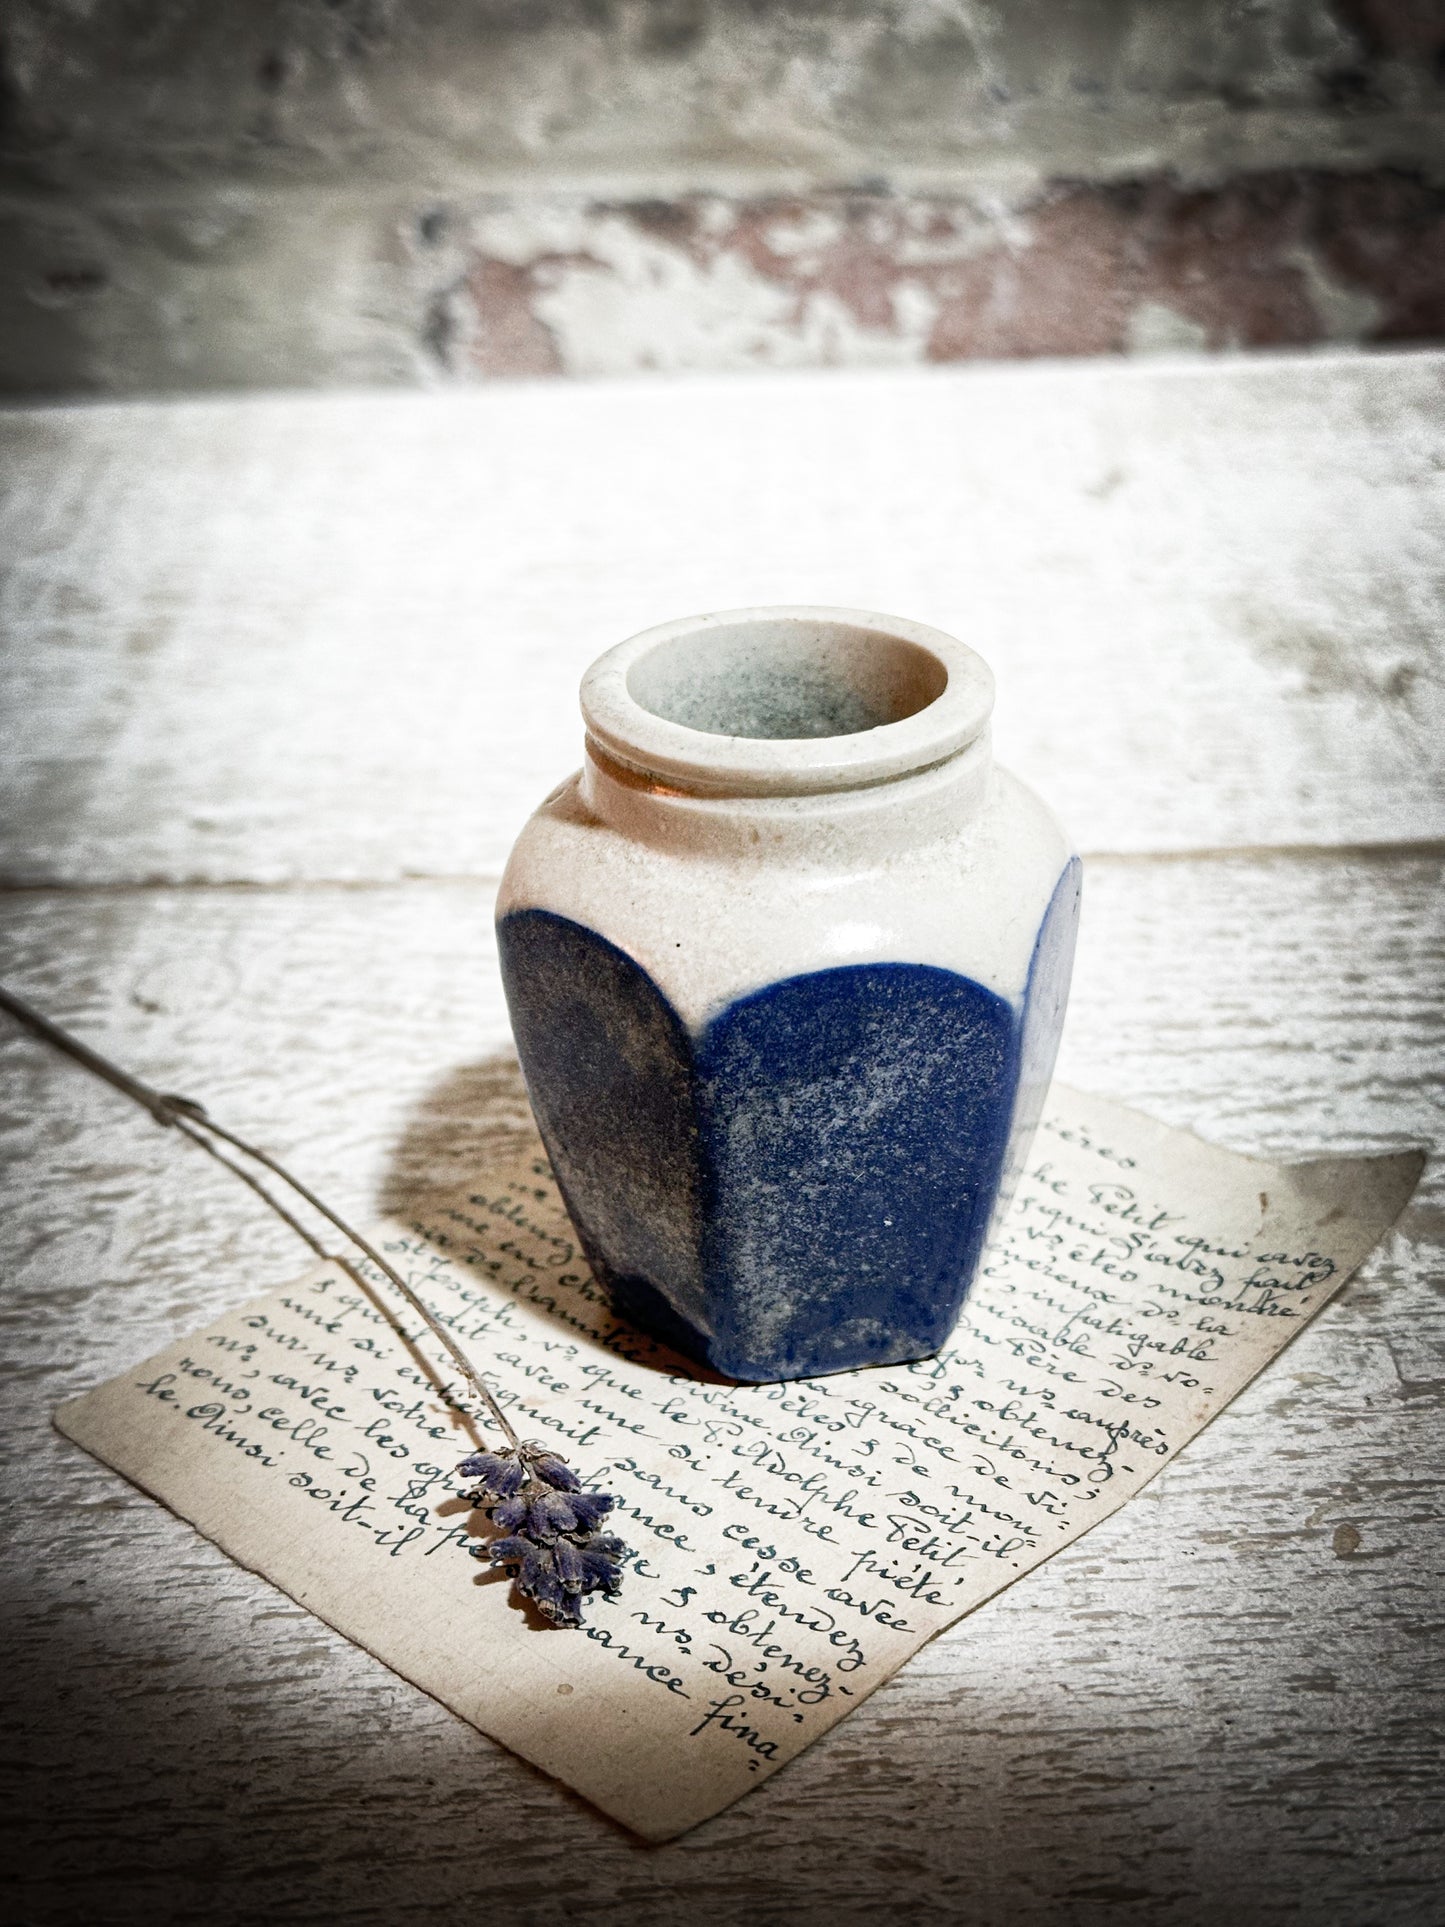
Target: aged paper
795, 1543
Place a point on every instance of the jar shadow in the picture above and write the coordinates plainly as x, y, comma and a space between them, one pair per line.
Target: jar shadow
472, 1138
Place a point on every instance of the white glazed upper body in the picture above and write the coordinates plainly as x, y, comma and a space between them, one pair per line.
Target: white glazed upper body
722, 863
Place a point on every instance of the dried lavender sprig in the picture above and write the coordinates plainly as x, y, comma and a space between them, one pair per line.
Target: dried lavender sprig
552, 1540
192, 1120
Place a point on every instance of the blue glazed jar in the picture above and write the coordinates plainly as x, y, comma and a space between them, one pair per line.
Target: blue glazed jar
786, 963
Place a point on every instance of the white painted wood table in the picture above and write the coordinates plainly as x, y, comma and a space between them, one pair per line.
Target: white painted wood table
283, 677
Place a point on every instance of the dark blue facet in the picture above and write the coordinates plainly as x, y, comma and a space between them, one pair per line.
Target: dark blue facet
856, 1126
806, 1186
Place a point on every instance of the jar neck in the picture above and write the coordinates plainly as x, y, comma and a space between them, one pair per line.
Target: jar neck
814, 734
866, 823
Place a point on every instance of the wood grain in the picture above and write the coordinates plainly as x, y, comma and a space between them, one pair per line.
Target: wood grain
340, 637
1219, 1706
323, 653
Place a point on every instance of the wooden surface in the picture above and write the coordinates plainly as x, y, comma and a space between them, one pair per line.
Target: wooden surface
282, 679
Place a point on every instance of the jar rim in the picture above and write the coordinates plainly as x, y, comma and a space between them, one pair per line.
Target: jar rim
708, 704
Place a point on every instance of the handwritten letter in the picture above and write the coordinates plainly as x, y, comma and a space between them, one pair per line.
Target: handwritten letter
794, 1543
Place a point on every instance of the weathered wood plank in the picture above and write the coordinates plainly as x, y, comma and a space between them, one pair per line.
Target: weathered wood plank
341, 637
1218, 1701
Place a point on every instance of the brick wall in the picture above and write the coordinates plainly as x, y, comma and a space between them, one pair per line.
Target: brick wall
286, 192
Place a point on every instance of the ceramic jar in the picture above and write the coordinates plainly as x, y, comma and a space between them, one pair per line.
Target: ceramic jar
786, 963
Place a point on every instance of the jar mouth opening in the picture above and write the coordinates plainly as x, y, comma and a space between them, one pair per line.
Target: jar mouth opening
779, 701
781, 680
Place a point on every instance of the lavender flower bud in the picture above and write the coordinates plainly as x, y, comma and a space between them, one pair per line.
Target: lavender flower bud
601, 1571
501, 1476
552, 1469
569, 1565
550, 1514
590, 1508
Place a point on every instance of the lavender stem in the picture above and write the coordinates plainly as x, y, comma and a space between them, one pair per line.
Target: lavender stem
192, 1120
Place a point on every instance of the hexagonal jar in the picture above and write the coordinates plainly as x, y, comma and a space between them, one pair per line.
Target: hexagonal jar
786, 963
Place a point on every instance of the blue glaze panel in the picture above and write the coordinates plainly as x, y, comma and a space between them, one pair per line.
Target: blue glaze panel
1046, 993
854, 1128
805, 1186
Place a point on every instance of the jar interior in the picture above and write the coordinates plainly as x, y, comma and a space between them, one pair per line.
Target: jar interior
786, 679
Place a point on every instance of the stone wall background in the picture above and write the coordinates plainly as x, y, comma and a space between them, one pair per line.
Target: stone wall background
292, 192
